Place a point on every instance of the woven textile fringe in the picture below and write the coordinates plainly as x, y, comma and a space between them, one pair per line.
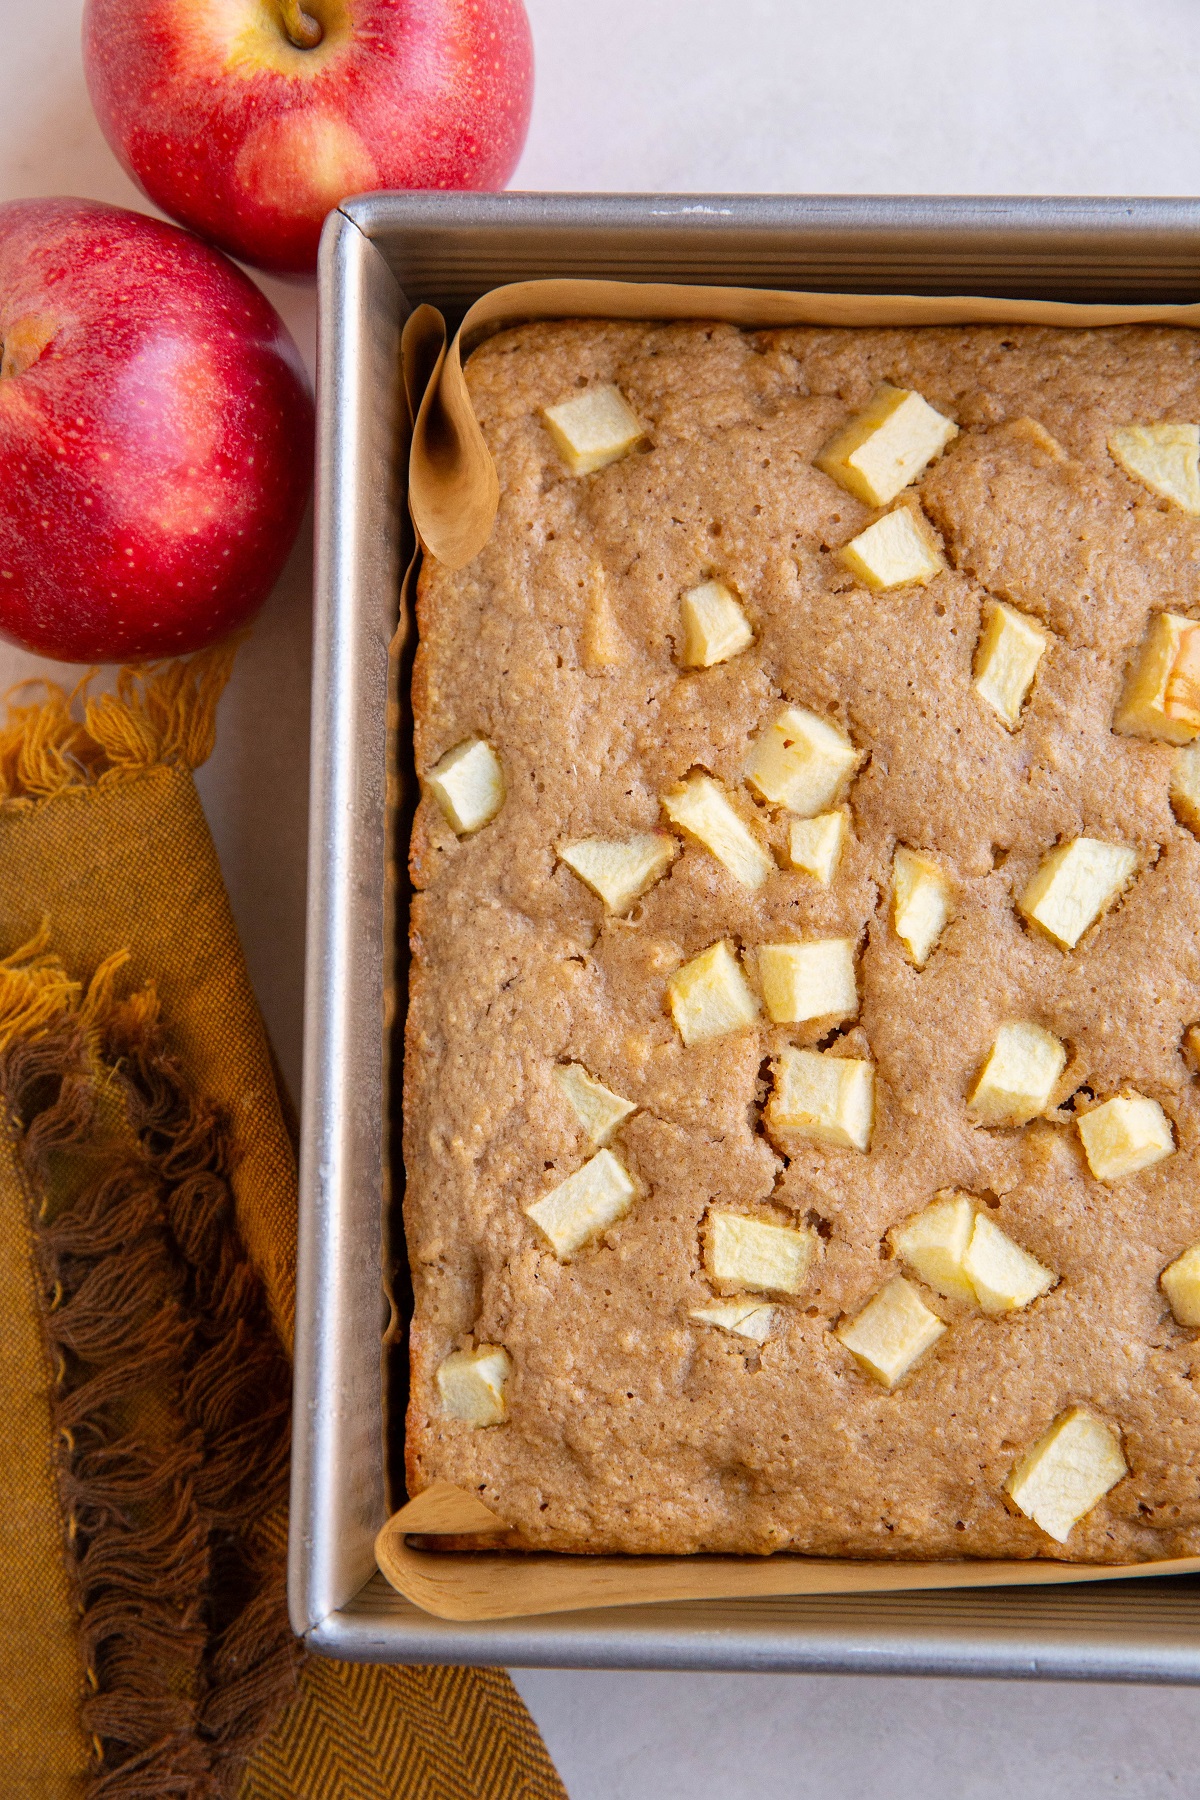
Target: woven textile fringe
171, 1391
160, 713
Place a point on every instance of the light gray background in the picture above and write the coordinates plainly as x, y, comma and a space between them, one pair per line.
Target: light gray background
900, 96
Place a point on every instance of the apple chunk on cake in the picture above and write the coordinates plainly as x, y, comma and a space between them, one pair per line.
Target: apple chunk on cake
1162, 691
896, 551
825, 1097
744, 1318
814, 980
1075, 884
1180, 1282
963, 1255
594, 428
596, 1107
1005, 1277
920, 903
710, 996
714, 626
894, 1329
1067, 1472
1125, 1135
619, 870
468, 785
701, 807
746, 1253
584, 1205
1019, 1076
934, 1244
1185, 786
1165, 458
470, 1384
1010, 649
815, 845
801, 762
887, 445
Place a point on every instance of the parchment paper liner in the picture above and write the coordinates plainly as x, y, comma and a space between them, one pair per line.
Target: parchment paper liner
453, 491
453, 497
494, 1584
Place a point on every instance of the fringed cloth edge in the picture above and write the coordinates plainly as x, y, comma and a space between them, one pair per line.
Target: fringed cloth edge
170, 1390
61, 741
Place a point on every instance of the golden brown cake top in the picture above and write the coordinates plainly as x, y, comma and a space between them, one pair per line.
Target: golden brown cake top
863, 1280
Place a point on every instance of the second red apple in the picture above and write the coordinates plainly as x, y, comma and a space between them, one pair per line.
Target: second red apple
250, 119
155, 436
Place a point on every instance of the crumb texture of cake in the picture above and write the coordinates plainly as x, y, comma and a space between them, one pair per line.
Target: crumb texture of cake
801, 1130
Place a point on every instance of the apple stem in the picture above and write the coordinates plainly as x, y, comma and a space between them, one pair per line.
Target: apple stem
23, 343
304, 31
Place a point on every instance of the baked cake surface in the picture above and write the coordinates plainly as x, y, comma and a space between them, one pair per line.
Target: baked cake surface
1037, 1368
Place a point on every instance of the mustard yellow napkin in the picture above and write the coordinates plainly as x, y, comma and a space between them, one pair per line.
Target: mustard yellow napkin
147, 1256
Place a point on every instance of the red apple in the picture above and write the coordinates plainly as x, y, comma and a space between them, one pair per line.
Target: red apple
155, 435
250, 119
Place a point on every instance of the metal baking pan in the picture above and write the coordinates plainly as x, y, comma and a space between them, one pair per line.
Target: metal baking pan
380, 256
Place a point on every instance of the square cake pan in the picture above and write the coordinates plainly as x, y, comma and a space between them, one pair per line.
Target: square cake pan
382, 255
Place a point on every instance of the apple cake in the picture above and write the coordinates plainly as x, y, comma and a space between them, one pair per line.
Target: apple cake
801, 1118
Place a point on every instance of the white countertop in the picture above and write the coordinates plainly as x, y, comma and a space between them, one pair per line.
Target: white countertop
892, 96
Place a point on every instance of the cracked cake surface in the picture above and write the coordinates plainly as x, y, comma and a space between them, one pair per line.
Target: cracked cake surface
623, 1368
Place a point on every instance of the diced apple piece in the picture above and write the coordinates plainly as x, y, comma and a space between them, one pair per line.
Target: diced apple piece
1004, 1276
1180, 1282
603, 645
710, 996
1166, 458
921, 906
597, 1108
1067, 1472
893, 1329
1019, 1076
1010, 649
960, 1253
893, 552
471, 1385
584, 1205
1162, 691
747, 1253
1181, 698
829, 1098
1185, 786
801, 762
714, 626
594, 428
1125, 1135
809, 981
746, 1318
934, 1244
700, 806
620, 870
816, 844
1074, 885
884, 448
468, 785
